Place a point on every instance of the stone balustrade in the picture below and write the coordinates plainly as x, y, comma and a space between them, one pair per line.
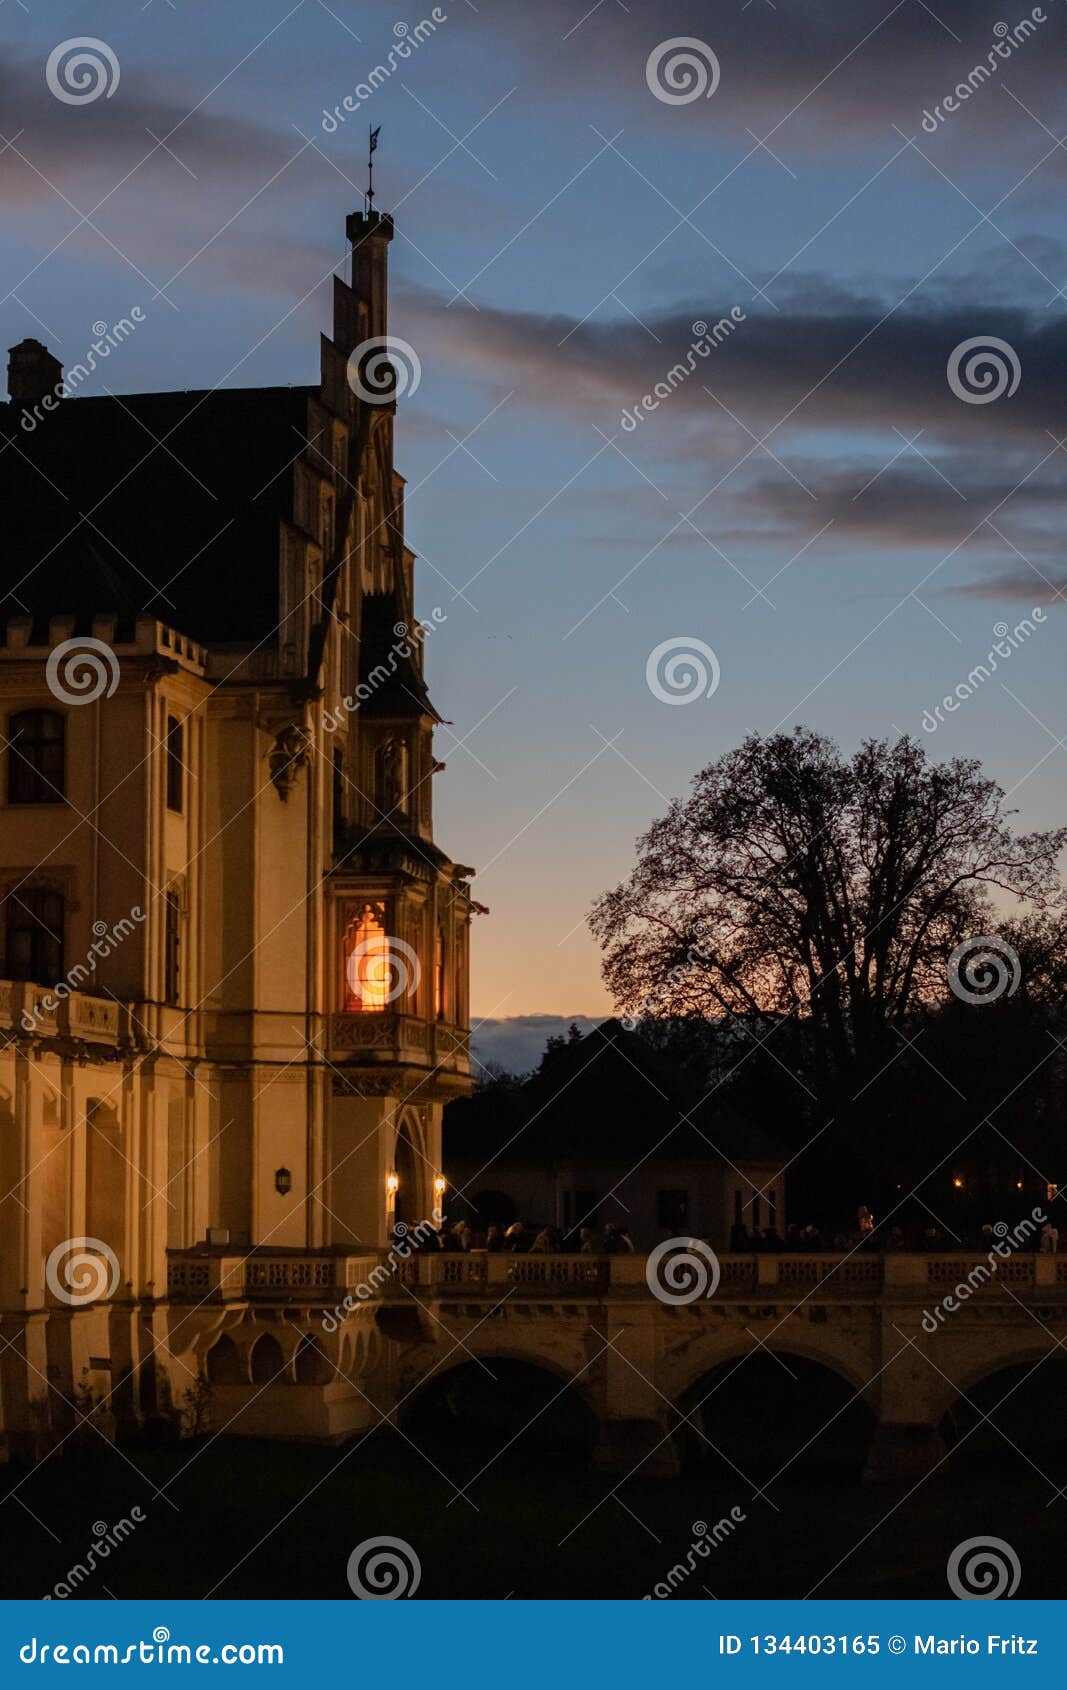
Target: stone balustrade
59, 1012
391, 1037
325, 1275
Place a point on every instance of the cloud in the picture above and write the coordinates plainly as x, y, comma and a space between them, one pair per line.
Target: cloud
832, 72
102, 140
861, 366
517, 1042
1019, 586
853, 396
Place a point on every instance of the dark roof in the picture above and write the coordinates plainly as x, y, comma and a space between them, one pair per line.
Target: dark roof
608, 1096
100, 518
386, 647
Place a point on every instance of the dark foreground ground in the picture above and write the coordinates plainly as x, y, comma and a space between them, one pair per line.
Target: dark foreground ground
257, 1520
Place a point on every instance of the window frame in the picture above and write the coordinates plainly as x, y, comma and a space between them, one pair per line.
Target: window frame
350, 941
172, 947
440, 972
42, 787
174, 753
19, 917
672, 1208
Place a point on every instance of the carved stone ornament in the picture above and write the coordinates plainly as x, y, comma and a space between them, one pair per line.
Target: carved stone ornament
290, 752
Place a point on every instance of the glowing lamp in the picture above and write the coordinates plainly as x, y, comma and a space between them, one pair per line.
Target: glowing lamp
439, 1185
392, 1184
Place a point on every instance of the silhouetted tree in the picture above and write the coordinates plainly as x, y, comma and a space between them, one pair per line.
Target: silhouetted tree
795, 883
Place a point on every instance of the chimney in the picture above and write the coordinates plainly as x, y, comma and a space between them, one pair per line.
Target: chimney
32, 372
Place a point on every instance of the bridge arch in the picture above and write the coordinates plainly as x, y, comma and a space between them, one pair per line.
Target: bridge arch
495, 1393
762, 1410
978, 1374
738, 1350
1012, 1408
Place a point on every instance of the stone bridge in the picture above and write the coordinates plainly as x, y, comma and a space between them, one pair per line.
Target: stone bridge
326, 1345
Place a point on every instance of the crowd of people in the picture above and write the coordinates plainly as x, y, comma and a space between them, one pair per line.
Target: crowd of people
865, 1235
614, 1239
518, 1238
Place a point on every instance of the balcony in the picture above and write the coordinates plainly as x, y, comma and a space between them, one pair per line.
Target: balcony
208, 1275
40, 1010
387, 1038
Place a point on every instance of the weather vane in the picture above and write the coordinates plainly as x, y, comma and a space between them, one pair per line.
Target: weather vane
374, 133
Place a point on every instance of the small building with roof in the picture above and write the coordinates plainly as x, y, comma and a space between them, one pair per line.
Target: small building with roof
604, 1133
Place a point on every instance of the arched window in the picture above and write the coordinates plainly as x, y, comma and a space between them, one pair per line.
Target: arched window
367, 961
33, 935
224, 1364
175, 765
35, 757
312, 1367
268, 1362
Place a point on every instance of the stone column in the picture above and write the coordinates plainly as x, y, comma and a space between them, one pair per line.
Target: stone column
636, 1433
907, 1443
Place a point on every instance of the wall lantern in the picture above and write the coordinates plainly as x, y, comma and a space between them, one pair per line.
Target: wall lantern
283, 1181
392, 1184
439, 1186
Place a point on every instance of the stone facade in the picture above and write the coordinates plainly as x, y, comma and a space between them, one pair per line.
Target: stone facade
233, 986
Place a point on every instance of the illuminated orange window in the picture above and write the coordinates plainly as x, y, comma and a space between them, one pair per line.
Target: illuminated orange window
439, 975
367, 961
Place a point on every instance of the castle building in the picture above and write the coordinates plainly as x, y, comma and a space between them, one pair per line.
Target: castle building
233, 981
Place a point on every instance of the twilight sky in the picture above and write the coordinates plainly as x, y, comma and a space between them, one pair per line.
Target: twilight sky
816, 502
